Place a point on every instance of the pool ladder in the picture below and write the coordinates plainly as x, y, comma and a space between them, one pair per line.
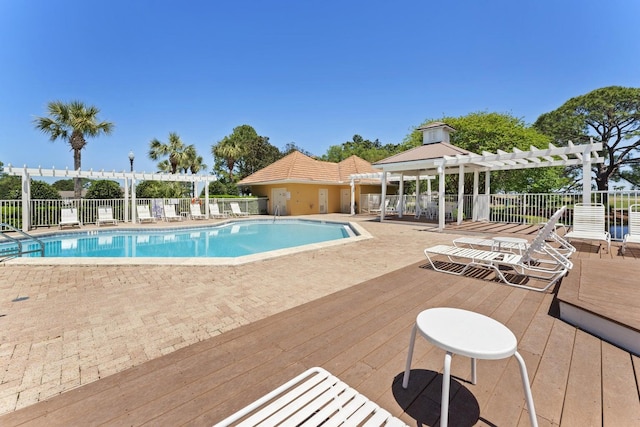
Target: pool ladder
16, 250
276, 212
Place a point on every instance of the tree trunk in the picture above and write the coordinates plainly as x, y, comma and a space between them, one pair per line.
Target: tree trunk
77, 181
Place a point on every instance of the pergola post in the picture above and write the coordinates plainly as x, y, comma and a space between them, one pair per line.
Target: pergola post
441, 201
352, 186
126, 199
383, 196
586, 174
133, 200
476, 184
460, 194
26, 201
400, 205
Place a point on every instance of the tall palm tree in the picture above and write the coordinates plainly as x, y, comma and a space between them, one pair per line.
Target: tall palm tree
174, 149
193, 163
73, 123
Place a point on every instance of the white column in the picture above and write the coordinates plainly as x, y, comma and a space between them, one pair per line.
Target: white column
441, 197
476, 184
353, 196
26, 200
400, 205
383, 196
418, 198
460, 194
586, 174
429, 187
133, 200
206, 198
126, 199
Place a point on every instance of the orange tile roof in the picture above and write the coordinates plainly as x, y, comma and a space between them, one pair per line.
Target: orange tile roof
296, 167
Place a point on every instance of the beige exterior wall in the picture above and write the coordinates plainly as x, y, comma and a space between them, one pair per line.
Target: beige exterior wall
305, 197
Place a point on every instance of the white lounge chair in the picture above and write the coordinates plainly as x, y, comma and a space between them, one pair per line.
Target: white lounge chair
169, 212
552, 267
195, 211
69, 218
235, 210
589, 224
144, 215
313, 398
388, 210
214, 211
633, 235
562, 245
105, 216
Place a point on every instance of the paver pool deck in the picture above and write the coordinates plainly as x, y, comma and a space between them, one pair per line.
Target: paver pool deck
63, 326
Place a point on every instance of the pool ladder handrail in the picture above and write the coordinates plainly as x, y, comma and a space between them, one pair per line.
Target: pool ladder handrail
276, 212
11, 252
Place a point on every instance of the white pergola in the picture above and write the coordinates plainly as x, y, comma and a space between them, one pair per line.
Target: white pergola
128, 177
405, 167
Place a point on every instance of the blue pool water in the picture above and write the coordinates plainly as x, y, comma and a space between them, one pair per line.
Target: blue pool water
227, 240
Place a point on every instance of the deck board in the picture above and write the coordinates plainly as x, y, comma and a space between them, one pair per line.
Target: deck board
361, 334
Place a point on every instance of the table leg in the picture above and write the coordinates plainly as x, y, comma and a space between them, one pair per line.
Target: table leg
527, 390
407, 369
474, 376
446, 379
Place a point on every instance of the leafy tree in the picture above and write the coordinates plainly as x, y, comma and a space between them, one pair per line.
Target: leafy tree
610, 115
482, 131
259, 154
232, 148
291, 147
371, 151
160, 190
73, 122
10, 187
174, 148
104, 189
68, 184
192, 162
40, 190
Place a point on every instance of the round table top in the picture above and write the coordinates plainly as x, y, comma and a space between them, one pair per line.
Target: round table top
466, 333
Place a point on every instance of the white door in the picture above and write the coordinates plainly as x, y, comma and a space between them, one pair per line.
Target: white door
322, 200
279, 201
345, 200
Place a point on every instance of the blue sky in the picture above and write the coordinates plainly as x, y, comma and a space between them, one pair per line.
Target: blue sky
314, 73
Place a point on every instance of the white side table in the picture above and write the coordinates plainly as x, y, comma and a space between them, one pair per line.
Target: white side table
468, 334
510, 243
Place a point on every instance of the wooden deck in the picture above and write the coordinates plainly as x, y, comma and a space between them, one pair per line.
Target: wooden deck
361, 334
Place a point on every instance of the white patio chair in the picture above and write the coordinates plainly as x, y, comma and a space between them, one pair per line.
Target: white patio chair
551, 268
69, 218
589, 224
235, 210
169, 212
144, 215
633, 234
105, 216
313, 398
195, 211
214, 211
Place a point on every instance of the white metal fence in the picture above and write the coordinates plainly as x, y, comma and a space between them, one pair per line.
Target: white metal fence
514, 208
46, 213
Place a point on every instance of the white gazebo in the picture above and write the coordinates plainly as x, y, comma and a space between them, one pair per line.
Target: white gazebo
129, 178
437, 157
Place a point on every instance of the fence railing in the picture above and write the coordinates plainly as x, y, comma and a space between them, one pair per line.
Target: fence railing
46, 213
515, 208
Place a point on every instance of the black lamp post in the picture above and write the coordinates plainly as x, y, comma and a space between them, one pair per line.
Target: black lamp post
131, 157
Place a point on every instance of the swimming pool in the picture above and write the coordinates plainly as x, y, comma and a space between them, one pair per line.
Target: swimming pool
227, 240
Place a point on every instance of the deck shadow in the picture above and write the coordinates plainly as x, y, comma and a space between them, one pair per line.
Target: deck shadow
421, 400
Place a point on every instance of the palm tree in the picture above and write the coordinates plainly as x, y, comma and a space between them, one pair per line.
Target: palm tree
73, 122
229, 150
193, 163
175, 149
